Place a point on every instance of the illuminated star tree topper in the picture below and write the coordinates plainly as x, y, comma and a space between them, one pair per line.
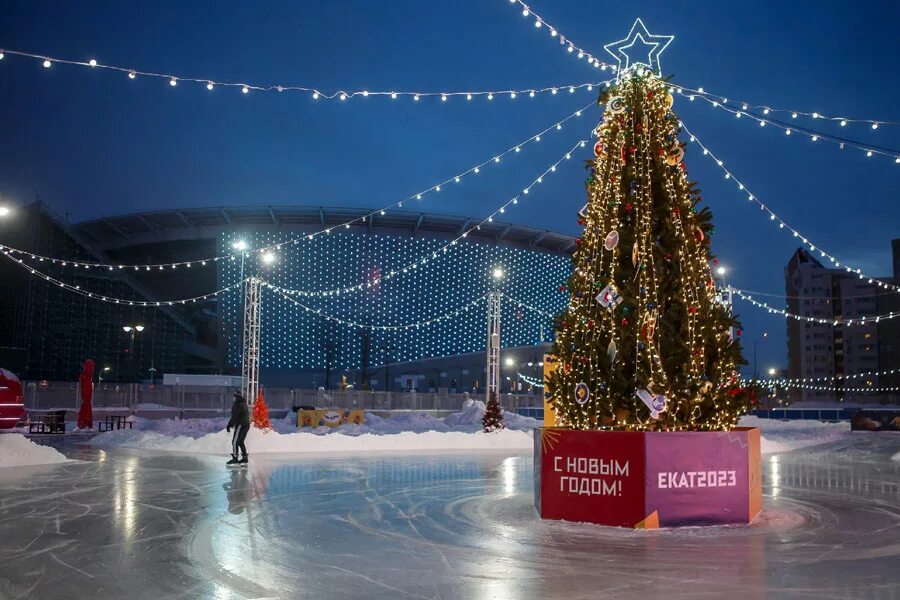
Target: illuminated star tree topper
639, 47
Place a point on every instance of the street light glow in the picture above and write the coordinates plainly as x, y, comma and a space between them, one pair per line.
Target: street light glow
126, 328
772, 372
720, 271
239, 245
268, 258
498, 273
4, 211
139, 328
510, 361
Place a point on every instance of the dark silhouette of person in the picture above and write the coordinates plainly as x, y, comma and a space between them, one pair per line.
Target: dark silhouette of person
240, 420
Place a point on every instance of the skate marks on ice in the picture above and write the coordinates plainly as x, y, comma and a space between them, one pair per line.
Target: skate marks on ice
448, 526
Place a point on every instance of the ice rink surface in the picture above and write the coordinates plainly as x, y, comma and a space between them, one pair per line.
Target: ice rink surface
123, 524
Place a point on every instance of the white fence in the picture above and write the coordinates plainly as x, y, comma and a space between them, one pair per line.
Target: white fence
183, 399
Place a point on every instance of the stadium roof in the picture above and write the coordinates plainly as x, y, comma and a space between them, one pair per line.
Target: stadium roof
198, 223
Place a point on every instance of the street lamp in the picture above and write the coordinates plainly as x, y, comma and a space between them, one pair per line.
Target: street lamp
5, 211
132, 330
765, 334
497, 273
510, 361
772, 372
240, 245
721, 271
268, 258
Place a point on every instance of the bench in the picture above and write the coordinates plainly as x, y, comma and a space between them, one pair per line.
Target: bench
114, 422
53, 421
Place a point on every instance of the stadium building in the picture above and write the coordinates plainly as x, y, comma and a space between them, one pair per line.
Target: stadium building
412, 267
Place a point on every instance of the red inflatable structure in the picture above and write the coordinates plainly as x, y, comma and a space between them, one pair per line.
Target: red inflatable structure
12, 405
86, 387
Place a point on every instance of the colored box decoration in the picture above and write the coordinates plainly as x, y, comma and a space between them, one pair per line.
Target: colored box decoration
648, 479
329, 417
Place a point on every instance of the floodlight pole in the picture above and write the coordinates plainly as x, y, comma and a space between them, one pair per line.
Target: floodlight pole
251, 338
493, 345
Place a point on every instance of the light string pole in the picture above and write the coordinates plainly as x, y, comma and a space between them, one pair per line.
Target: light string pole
492, 373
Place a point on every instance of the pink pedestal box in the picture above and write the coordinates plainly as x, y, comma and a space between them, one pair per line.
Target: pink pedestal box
648, 480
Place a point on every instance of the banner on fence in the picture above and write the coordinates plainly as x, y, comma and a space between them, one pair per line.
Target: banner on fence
329, 417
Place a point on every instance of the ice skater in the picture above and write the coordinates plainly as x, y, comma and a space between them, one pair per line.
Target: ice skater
240, 420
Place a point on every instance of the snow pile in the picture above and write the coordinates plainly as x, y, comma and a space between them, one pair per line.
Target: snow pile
784, 436
896, 457
407, 432
16, 450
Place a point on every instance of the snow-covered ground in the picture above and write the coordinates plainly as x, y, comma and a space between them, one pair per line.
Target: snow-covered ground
16, 450
896, 457
416, 432
784, 436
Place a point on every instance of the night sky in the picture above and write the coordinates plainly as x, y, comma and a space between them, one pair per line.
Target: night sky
93, 143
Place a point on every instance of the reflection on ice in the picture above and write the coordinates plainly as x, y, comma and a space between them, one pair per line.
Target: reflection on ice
446, 526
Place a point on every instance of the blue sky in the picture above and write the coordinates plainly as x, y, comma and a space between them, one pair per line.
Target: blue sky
93, 143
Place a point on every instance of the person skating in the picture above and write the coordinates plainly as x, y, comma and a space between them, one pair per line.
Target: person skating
240, 420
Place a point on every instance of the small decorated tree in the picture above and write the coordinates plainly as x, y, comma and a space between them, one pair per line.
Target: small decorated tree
645, 342
260, 415
493, 416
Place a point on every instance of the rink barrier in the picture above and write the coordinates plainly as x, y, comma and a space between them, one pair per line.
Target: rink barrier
646, 480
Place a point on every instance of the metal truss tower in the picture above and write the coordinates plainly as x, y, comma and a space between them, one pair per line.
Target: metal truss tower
493, 346
250, 358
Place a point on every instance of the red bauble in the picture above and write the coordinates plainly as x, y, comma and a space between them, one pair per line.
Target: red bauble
632, 149
692, 309
582, 222
629, 207
590, 324
676, 211
638, 127
698, 233
715, 261
624, 322
740, 332
650, 93
660, 151
578, 242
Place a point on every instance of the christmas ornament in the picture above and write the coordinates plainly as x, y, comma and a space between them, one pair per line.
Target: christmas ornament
634, 255
629, 207
645, 121
705, 387
616, 105
582, 393
624, 322
583, 212
611, 352
609, 297
612, 240
675, 155
599, 149
698, 233
669, 101
655, 402
648, 328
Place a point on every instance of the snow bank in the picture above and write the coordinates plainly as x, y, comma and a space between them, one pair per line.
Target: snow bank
784, 436
406, 432
16, 450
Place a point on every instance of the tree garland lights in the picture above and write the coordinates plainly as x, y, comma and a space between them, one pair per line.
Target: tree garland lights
566, 43
781, 223
412, 266
530, 381
841, 142
315, 93
435, 188
745, 106
835, 322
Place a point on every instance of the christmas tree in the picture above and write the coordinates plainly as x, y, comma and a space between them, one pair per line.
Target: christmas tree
493, 416
645, 343
260, 415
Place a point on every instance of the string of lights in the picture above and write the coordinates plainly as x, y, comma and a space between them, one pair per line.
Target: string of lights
78, 290
525, 305
834, 322
836, 388
787, 381
451, 315
433, 189
567, 44
414, 265
315, 93
530, 380
812, 134
774, 218
766, 109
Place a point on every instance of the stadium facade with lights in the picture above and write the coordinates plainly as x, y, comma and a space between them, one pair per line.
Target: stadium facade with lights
300, 347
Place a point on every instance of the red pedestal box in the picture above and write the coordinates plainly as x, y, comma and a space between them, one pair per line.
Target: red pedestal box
633, 479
